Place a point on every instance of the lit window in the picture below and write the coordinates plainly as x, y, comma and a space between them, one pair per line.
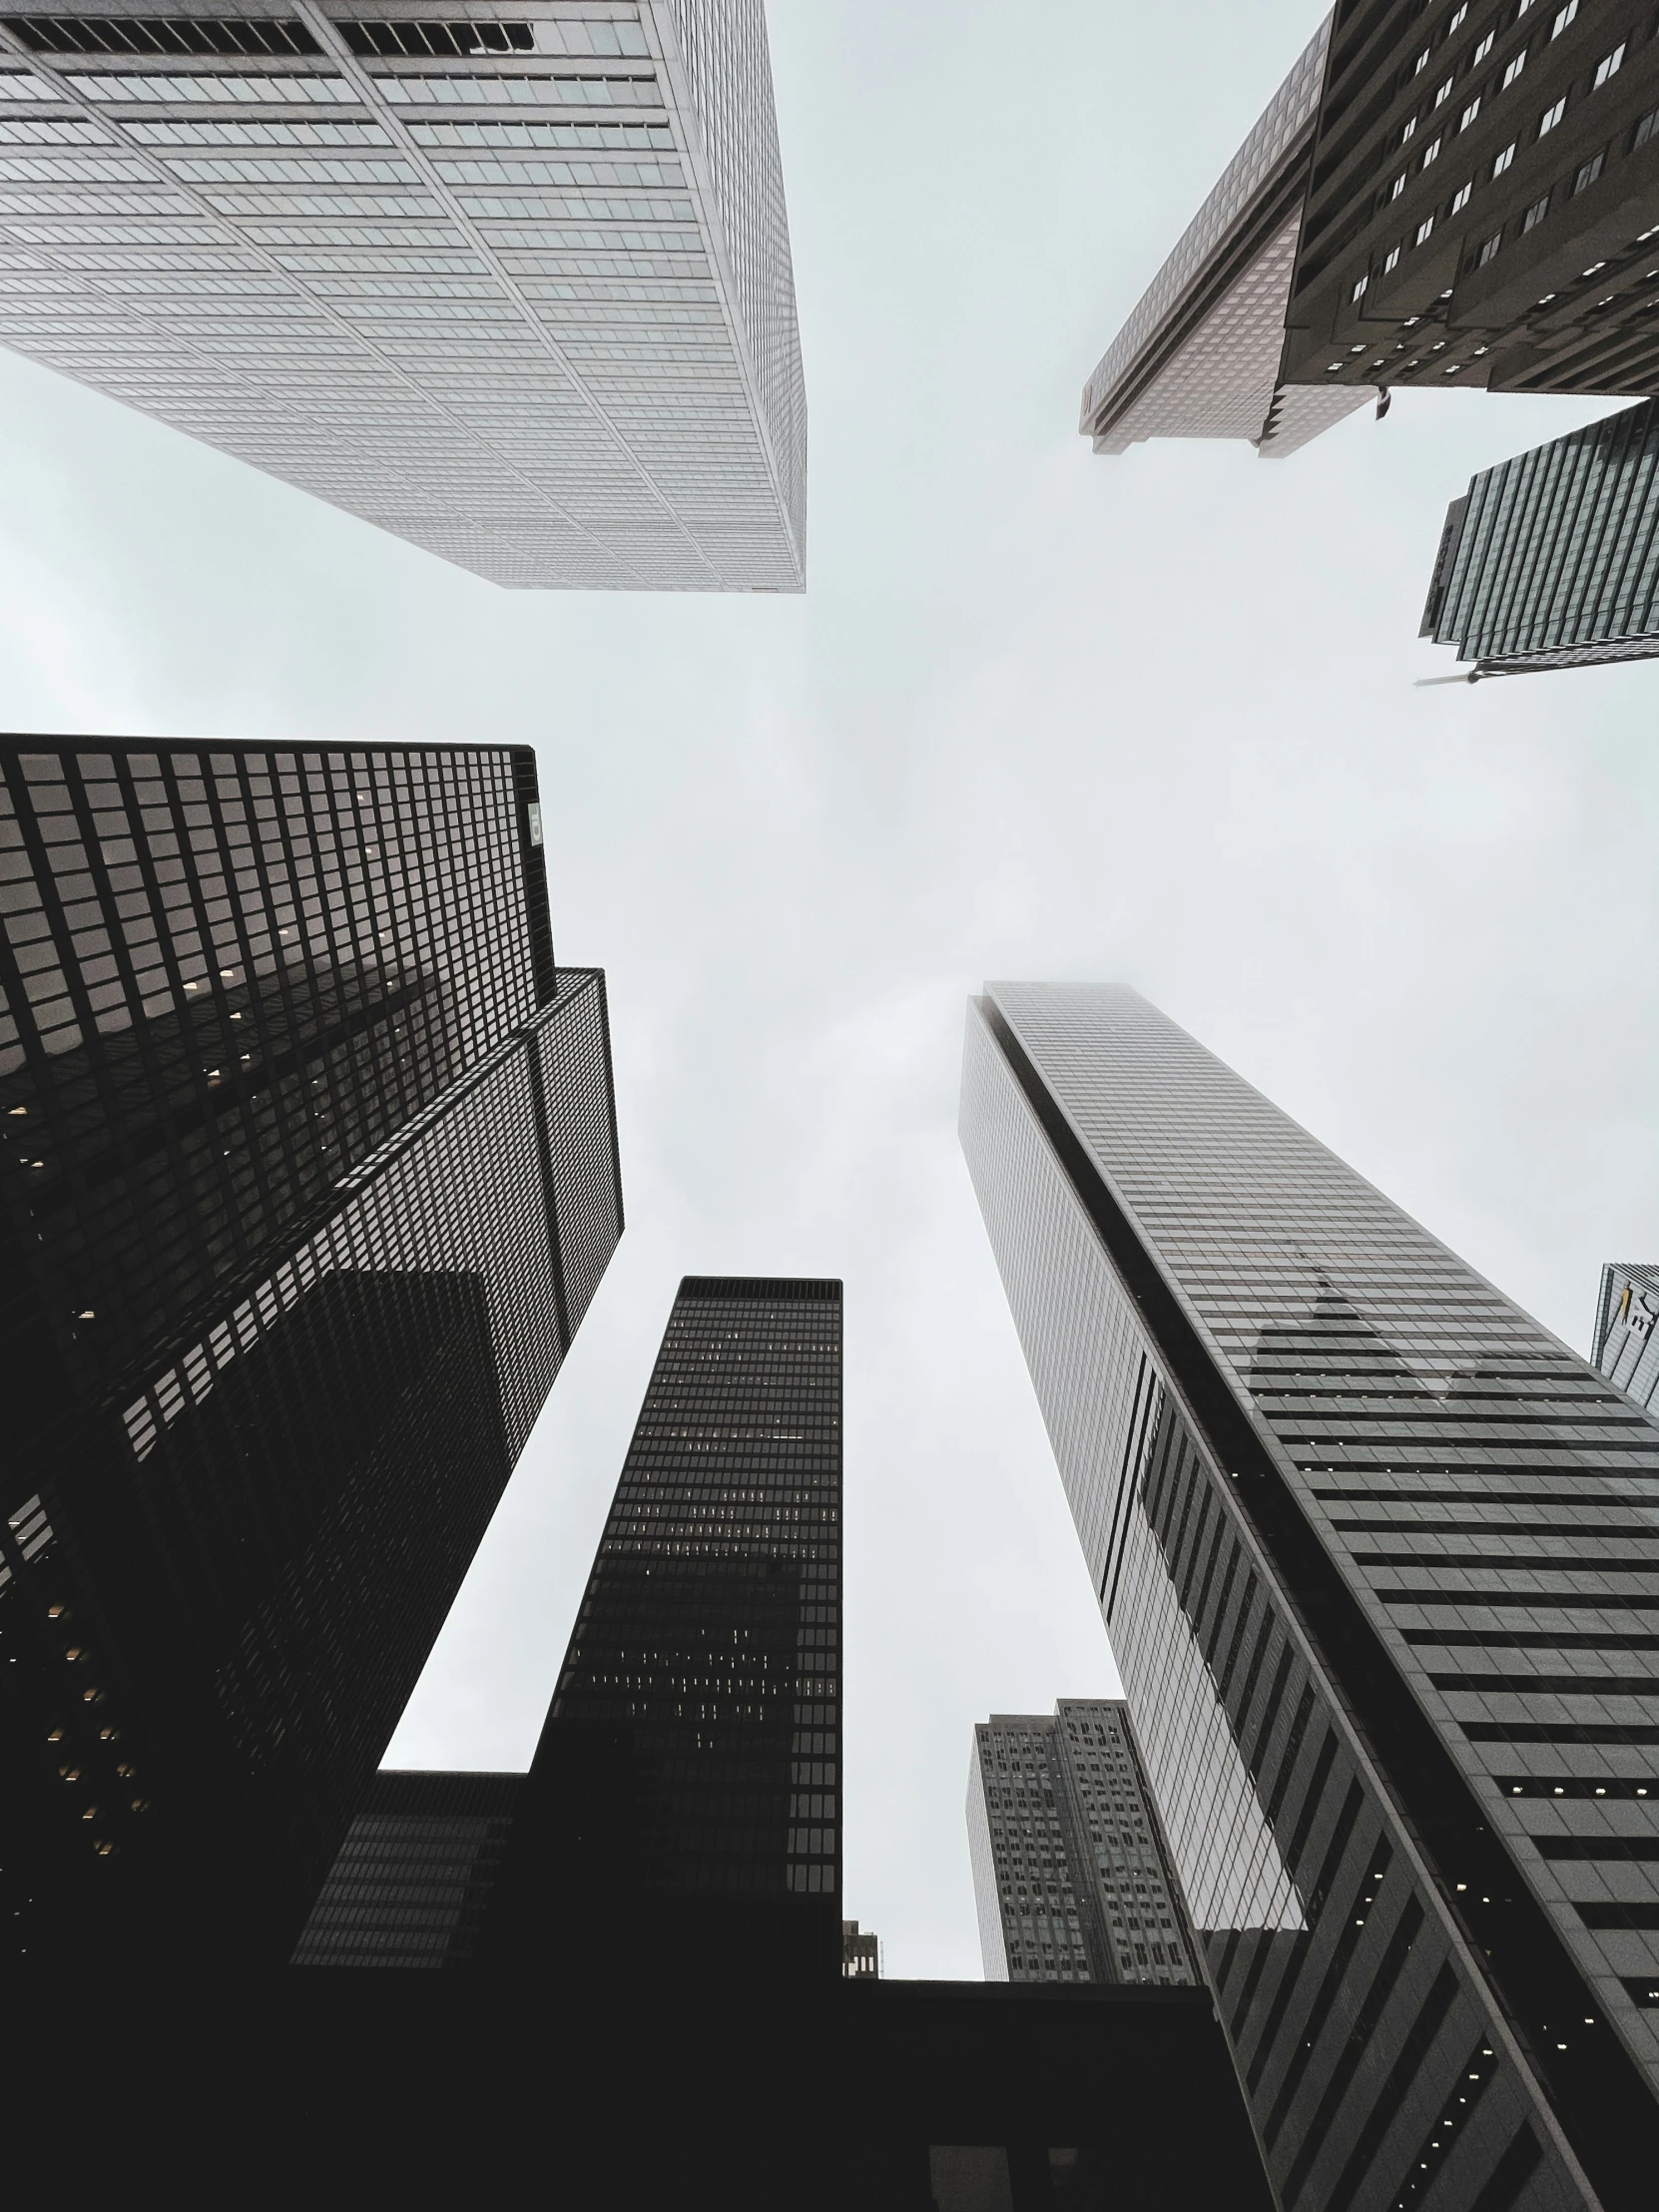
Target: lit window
1484, 48
1503, 161
1397, 188
1514, 69
1421, 62
1408, 129
1423, 228
1432, 152
1359, 291
1610, 64
1443, 94
1589, 173
1391, 259
1535, 213
1457, 15
1563, 16
1551, 116
1469, 113
1460, 197
1486, 248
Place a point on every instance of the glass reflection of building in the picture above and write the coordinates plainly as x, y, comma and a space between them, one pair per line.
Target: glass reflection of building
1071, 1875
1625, 1345
309, 1175
1378, 1558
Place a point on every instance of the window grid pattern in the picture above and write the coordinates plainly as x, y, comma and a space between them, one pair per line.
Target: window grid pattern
559, 349
1070, 1873
226, 979
1315, 1914
1553, 560
710, 1630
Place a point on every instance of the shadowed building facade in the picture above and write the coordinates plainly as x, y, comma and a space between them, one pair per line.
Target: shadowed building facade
309, 1175
514, 288
1071, 1875
1376, 1555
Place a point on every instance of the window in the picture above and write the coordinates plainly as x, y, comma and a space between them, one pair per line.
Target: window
1460, 197
1484, 48
1563, 16
1514, 69
1645, 129
1609, 66
1421, 62
1430, 152
1469, 113
1409, 129
1551, 116
1423, 228
1503, 161
1590, 172
1359, 291
1535, 213
1457, 15
1486, 248
1391, 259
1443, 94
1397, 188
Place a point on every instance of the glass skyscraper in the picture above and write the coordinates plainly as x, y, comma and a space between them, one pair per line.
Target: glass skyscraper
517, 289
1624, 1346
1551, 560
309, 1176
1378, 1558
1071, 1875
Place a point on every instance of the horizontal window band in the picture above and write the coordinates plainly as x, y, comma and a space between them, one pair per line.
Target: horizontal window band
1578, 1786
1597, 1847
1483, 1561
1473, 1496
1618, 1916
1617, 1532
1549, 1684
1525, 1600
1643, 1990
1559, 1732
1528, 1639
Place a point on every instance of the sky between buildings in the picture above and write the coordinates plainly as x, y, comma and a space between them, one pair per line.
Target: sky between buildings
1039, 715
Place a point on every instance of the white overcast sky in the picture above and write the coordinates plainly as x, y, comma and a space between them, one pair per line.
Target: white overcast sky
1039, 715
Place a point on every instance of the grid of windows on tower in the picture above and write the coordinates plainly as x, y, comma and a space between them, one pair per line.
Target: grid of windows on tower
552, 338
1070, 1872
1337, 1423
709, 1634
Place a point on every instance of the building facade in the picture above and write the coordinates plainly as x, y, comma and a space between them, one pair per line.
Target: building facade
1071, 1875
551, 338
309, 1174
1198, 358
688, 1772
1551, 560
1623, 1345
1374, 1553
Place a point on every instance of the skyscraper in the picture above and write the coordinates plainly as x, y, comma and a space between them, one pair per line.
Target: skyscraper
1623, 1345
1447, 199
1551, 560
1071, 1875
551, 338
1374, 1553
311, 1175
686, 1781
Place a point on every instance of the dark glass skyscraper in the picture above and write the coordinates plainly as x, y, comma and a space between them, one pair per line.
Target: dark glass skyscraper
309, 1174
1551, 560
688, 1772
1378, 1558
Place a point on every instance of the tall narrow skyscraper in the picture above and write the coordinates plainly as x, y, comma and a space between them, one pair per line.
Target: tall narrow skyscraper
687, 1778
1375, 1553
515, 289
309, 1174
1071, 1875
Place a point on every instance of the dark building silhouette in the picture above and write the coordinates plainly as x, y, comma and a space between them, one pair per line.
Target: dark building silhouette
309, 1175
1376, 1555
1551, 560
